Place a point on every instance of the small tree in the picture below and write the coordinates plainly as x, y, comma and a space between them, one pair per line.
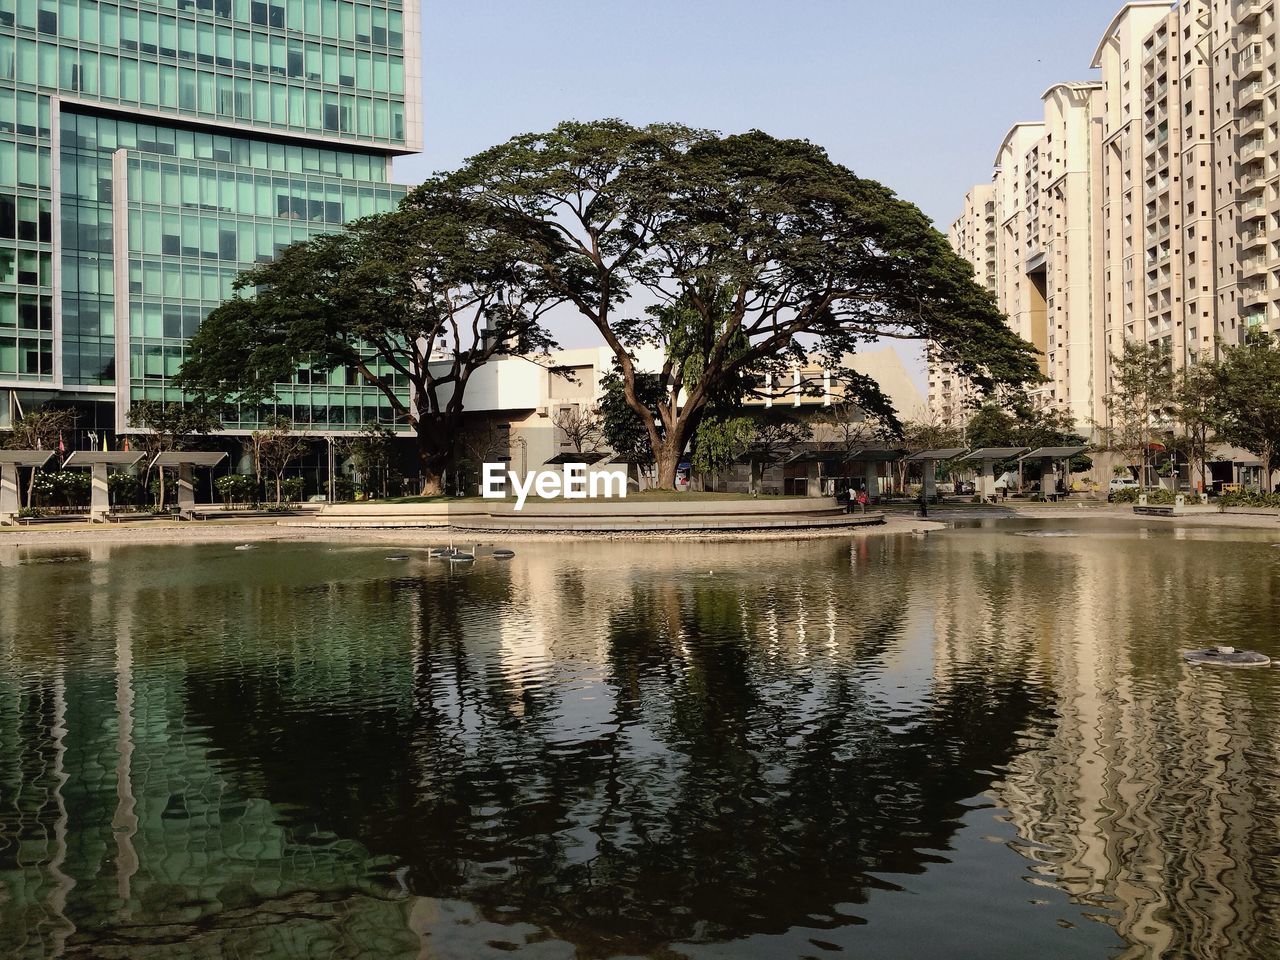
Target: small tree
1139, 402
482, 442
624, 431
275, 446
720, 441
1248, 403
370, 452
1195, 403
41, 429
582, 427
164, 427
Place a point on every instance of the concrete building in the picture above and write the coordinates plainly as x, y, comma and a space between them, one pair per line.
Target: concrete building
1145, 206
149, 152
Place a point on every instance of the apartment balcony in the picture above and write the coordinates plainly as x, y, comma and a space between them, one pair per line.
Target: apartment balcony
1251, 126
1255, 318
1252, 239
1252, 184
1248, 11
1253, 293
1249, 94
1253, 266
1252, 150
1249, 63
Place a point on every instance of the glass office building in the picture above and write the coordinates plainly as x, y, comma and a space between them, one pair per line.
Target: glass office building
150, 150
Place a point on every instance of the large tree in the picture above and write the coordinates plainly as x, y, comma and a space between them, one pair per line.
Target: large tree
758, 253
1249, 399
424, 295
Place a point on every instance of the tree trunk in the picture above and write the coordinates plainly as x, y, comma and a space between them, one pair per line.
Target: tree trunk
279, 491
666, 463
757, 477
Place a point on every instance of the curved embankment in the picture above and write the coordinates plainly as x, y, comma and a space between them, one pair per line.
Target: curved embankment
601, 517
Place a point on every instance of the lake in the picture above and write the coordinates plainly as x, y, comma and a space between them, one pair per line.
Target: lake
980, 743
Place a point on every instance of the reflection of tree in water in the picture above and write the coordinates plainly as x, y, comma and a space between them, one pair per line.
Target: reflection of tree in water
721, 792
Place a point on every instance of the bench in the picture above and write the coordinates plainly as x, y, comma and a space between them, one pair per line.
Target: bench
56, 518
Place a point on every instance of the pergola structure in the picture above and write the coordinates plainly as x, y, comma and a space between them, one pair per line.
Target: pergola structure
11, 461
1049, 458
986, 458
100, 462
871, 457
930, 459
185, 462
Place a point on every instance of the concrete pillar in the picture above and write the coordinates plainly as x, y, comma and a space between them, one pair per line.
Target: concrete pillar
10, 501
987, 479
1048, 476
186, 487
930, 479
100, 500
873, 479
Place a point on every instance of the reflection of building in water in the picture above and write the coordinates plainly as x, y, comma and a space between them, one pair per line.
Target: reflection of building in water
1142, 789
121, 832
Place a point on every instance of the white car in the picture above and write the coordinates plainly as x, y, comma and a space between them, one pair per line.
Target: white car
1120, 483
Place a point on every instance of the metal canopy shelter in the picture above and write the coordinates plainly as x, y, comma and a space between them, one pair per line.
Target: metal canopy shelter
930, 459
11, 461
100, 462
185, 462
987, 458
1049, 458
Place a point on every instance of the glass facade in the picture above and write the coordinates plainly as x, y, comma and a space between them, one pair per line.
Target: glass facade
152, 149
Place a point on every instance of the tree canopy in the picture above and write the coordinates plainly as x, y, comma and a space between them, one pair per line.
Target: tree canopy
757, 252
417, 299
1248, 391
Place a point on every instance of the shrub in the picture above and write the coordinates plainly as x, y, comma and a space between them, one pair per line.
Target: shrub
1249, 498
343, 489
1125, 495
1161, 496
126, 490
236, 488
65, 488
292, 489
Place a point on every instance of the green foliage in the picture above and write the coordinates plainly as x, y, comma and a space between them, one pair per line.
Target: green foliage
761, 251
237, 488
293, 489
1248, 398
126, 490
344, 489
1015, 422
40, 429
1140, 402
624, 430
62, 488
1250, 498
275, 446
171, 426
1125, 495
381, 298
370, 453
719, 442
1156, 495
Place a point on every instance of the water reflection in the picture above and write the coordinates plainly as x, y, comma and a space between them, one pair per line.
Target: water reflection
978, 740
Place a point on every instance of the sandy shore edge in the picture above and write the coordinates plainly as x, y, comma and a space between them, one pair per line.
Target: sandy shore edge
257, 532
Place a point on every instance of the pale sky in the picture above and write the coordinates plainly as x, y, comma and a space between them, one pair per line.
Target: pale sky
917, 94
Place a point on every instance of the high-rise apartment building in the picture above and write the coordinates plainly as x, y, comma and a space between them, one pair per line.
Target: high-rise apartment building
150, 150
1175, 183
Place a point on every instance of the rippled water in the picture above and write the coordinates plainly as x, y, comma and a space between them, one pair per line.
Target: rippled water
977, 744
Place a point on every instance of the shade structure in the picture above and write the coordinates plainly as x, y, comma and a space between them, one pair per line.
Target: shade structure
587, 458
1053, 453
185, 462
100, 461
986, 458
192, 458
10, 462
930, 460
994, 453
944, 453
105, 458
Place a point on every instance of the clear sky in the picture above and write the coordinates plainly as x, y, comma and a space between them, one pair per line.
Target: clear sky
915, 93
